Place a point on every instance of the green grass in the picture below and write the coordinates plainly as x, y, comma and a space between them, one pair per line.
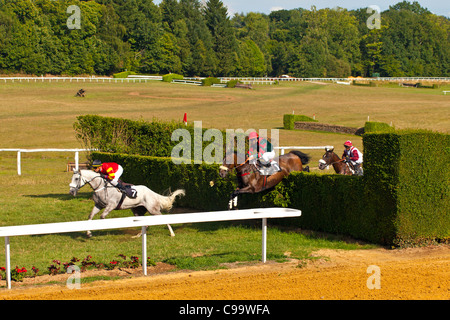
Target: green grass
41, 115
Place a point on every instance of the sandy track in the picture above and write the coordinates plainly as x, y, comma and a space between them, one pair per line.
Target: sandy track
421, 273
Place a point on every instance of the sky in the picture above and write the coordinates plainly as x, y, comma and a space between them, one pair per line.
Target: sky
439, 7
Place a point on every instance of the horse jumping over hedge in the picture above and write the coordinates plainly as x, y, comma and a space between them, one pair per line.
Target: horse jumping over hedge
109, 198
250, 180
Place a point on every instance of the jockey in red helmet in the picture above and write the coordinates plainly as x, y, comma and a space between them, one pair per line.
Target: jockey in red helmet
353, 155
111, 171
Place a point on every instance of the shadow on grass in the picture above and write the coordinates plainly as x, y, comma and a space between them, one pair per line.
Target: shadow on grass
61, 196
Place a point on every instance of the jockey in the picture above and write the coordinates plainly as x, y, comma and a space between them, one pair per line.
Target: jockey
111, 172
353, 155
261, 148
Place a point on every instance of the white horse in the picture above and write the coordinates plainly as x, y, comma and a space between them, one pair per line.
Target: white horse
108, 197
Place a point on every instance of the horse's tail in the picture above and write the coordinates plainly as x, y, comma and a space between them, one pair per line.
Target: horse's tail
303, 157
167, 202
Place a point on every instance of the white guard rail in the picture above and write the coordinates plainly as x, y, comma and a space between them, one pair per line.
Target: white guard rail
144, 222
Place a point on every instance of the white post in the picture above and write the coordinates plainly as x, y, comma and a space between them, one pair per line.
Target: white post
8, 262
264, 240
76, 160
19, 170
144, 250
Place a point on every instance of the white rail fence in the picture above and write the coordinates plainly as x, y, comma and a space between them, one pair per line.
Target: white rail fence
143, 222
20, 151
261, 80
134, 79
77, 152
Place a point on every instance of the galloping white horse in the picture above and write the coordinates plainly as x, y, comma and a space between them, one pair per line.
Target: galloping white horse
108, 197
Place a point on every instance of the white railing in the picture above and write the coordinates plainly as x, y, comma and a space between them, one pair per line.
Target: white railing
20, 151
77, 79
144, 222
302, 148
250, 79
262, 80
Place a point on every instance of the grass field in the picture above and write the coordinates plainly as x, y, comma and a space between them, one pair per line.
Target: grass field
41, 115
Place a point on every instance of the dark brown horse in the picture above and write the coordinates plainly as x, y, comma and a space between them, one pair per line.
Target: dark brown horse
340, 166
250, 180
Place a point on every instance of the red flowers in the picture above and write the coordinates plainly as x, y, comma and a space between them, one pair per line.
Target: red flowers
23, 270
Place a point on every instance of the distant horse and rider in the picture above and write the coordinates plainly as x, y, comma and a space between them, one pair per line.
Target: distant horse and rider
350, 164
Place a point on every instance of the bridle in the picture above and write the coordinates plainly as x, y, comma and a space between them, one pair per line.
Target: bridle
79, 186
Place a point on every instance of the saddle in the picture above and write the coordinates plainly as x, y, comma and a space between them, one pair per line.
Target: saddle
127, 189
268, 170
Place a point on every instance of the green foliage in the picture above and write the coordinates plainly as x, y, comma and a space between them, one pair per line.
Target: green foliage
232, 83
187, 38
171, 76
154, 138
124, 74
210, 81
372, 126
290, 119
408, 176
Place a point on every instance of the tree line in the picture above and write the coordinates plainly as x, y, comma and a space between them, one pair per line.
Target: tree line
186, 37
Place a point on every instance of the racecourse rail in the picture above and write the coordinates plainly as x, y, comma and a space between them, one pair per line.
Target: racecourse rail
261, 80
144, 222
77, 151
19, 155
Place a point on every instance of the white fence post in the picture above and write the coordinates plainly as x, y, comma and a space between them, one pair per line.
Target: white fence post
264, 240
19, 163
76, 160
8, 262
144, 250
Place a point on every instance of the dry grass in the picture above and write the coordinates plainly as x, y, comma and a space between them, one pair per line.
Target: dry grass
42, 114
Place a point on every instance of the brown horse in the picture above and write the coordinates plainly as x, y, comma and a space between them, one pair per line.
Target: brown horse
250, 180
340, 166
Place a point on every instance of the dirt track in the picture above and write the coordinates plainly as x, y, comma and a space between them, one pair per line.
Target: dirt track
421, 273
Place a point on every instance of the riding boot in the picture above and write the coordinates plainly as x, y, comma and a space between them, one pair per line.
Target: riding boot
121, 188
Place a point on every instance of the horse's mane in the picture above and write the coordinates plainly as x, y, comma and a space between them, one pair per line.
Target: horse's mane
88, 173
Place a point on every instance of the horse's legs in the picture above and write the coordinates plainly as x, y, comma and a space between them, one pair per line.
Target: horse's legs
233, 200
94, 211
156, 211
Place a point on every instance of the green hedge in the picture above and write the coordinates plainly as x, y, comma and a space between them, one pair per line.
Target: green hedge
372, 126
407, 181
117, 135
290, 119
124, 74
207, 82
403, 198
171, 76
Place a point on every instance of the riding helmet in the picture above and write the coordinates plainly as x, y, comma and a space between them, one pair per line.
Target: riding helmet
96, 164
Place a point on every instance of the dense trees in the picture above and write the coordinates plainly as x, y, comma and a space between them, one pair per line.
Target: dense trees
195, 39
